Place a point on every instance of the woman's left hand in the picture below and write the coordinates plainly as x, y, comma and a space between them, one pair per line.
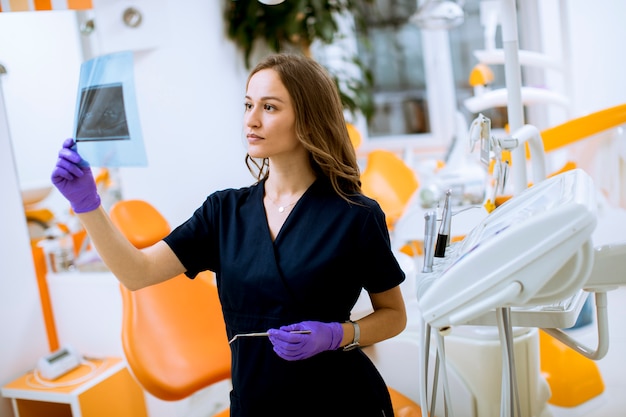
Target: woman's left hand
296, 346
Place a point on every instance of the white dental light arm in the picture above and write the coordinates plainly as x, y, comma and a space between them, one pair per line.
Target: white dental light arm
513, 79
528, 134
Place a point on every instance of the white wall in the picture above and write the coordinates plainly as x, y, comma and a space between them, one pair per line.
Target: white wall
595, 43
598, 58
23, 337
22, 331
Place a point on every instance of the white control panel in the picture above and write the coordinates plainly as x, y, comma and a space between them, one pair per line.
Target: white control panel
58, 363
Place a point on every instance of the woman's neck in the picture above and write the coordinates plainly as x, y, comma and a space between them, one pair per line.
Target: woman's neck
280, 186
288, 178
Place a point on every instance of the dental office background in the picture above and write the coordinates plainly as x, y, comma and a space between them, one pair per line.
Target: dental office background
190, 83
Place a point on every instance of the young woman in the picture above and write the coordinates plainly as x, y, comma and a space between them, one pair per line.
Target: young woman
291, 253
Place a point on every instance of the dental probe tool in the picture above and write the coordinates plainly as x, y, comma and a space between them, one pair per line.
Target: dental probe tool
443, 238
430, 230
263, 334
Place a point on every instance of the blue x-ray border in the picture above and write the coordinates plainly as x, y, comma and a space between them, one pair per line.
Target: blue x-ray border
102, 145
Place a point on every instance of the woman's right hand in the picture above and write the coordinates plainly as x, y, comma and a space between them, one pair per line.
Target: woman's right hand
72, 176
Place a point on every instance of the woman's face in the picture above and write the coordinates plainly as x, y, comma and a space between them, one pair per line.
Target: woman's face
269, 119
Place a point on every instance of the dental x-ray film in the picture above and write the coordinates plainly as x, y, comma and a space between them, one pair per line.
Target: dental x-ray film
106, 125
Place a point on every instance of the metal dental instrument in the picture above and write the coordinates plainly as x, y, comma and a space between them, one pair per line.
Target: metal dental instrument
443, 238
262, 334
430, 230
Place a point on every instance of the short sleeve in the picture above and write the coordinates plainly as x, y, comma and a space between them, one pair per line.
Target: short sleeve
379, 266
195, 241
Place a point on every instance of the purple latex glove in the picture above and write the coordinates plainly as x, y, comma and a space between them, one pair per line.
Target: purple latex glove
293, 346
73, 178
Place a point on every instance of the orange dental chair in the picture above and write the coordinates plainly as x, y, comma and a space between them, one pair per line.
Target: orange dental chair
389, 180
173, 333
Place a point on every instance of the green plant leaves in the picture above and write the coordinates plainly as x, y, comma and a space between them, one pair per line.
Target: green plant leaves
295, 24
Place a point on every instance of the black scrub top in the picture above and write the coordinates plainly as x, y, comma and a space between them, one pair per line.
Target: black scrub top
325, 253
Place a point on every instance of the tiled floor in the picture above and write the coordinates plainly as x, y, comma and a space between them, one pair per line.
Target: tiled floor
612, 402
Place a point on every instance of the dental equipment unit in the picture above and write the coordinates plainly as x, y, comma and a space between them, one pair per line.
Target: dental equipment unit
555, 218
533, 250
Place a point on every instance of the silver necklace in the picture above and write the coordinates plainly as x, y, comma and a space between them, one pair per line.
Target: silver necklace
281, 209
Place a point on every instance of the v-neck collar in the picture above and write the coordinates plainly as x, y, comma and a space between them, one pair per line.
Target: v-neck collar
288, 220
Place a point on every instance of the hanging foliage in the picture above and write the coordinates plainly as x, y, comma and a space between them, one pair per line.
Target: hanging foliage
294, 25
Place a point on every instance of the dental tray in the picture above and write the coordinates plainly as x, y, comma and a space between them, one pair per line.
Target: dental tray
532, 252
561, 314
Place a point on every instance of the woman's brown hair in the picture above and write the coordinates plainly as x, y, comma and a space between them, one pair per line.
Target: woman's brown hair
320, 124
